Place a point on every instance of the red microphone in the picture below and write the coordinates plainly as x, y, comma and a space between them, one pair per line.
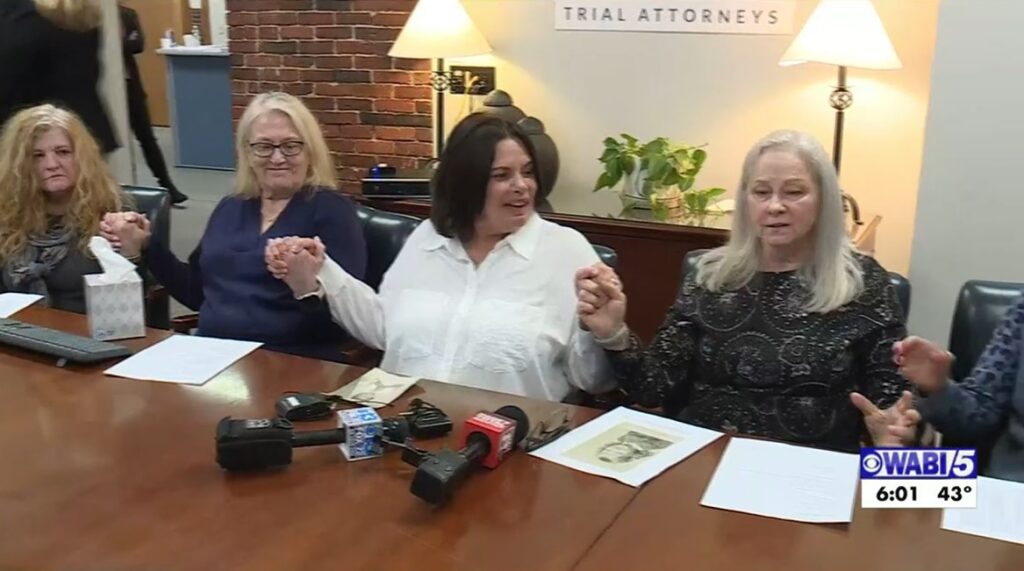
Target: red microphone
487, 439
499, 431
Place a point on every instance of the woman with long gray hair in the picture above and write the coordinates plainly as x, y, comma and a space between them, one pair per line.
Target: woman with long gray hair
784, 332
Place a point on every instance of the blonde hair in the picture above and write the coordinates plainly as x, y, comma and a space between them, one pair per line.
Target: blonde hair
833, 275
321, 169
78, 15
24, 205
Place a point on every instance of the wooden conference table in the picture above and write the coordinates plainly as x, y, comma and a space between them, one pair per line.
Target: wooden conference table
114, 474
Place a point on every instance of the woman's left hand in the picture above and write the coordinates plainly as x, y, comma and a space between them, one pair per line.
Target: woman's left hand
274, 257
894, 426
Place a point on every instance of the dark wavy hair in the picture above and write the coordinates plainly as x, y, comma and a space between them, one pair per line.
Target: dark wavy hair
459, 185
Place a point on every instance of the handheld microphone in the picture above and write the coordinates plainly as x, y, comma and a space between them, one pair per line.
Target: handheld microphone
487, 438
255, 444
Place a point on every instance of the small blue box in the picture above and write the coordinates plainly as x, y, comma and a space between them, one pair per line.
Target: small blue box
363, 433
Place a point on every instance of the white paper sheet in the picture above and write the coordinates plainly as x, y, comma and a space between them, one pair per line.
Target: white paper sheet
375, 388
11, 303
999, 515
784, 481
186, 359
626, 445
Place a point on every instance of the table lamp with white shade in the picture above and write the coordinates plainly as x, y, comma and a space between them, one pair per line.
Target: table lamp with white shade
439, 29
844, 33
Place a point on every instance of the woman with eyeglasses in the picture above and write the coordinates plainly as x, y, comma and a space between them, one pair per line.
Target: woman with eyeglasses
285, 186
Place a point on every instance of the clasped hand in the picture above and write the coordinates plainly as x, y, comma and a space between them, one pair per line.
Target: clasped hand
601, 301
297, 261
128, 232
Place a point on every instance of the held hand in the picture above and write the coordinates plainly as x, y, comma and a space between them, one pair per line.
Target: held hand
894, 426
127, 231
274, 257
303, 259
601, 302
302, 271
923, 363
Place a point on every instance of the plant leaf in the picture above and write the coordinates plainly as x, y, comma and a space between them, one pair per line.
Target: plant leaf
631, 140
699, 156
603, 181
657, 168
714, 192
611, 143
682, 157
614, 169
629, 164
609, 154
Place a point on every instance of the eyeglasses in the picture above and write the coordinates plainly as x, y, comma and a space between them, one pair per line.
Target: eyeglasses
547, 431
265, 150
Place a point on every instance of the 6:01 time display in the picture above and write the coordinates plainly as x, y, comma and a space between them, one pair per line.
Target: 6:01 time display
896, 494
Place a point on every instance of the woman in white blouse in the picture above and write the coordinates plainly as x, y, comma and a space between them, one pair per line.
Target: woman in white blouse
482, 294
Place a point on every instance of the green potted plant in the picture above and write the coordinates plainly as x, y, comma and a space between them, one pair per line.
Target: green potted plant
655, 172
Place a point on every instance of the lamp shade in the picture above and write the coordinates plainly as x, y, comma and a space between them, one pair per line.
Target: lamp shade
439, 29
843, 32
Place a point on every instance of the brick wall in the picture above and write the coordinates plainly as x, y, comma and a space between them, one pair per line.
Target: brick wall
333, 54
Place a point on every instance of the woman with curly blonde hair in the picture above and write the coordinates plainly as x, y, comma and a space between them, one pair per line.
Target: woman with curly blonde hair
55, 189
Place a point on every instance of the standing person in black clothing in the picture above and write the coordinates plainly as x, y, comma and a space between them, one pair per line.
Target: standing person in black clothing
49, 53
134, 42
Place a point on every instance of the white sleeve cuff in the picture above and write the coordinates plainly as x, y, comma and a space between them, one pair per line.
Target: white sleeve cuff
318, 292
332, 277
619, 340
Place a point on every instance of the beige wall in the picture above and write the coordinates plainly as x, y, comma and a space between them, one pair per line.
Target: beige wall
726, 91
969, 217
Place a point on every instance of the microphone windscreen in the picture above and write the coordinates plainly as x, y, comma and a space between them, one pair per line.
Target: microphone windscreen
522, 421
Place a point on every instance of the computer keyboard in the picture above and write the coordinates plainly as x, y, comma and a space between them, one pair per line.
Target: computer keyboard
58, 343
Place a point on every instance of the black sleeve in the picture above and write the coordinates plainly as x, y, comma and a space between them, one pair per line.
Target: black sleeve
880, 380
648, 375
132, 38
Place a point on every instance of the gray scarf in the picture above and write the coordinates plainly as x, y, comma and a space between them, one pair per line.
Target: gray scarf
26, 272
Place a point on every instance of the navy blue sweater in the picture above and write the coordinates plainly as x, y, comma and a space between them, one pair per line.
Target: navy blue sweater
227, 281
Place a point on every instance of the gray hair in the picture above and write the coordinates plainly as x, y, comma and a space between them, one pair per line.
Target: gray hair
834, 276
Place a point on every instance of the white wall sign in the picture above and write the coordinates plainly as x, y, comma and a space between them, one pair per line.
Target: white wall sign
688, 16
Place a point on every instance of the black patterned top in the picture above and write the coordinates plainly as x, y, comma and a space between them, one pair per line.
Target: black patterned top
753, 361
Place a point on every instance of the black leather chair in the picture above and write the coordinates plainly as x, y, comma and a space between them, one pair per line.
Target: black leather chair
156, 205
899, 282
980, 309
609, 256
385, 234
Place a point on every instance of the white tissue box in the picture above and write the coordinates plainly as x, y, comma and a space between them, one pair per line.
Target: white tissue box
114, 308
